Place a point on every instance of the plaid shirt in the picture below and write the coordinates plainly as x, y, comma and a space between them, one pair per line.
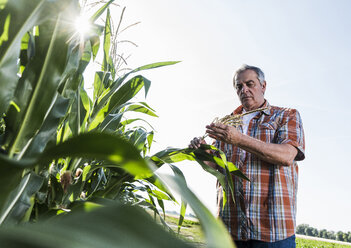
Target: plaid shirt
265, 206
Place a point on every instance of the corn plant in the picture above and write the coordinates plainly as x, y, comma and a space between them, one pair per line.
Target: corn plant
66, 155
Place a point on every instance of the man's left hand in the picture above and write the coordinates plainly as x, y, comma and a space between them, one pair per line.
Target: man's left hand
225, 133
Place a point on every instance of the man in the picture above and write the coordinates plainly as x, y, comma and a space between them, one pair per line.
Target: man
265, 148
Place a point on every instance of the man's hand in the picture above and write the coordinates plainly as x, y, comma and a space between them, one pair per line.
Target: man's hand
225, 133
196, 142
280, 154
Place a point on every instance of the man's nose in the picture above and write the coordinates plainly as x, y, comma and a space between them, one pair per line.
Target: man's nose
244, 88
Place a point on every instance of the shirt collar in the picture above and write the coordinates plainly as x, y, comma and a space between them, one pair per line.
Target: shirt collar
239, 110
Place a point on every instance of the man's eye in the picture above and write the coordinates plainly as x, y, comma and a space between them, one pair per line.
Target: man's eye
239, 86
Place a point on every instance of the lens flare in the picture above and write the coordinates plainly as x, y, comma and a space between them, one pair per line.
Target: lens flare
82, 25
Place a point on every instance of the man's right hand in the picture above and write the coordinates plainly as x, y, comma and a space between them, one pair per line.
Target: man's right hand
196, 142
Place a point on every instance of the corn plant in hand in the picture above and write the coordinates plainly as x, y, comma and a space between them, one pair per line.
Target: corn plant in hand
65, 155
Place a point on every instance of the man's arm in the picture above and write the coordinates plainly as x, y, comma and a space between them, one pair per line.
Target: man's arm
281, 154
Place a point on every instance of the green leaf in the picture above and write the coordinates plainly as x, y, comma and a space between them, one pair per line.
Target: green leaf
91, 145
47, 131
11, 175
98, 85
119, 81
107, 42
111, 122
78, 114
129, 121
138, 138
98, 118
150, 139
223, 162
2, 4
141, 109
160, 195
150, 66
27, 50
116, 84
113, 100
85, 57
183, 207
15, 21
215, 232
109, 227
100, 11
41, 77
101, 146
156, 182
200, 155
19, 200
127, 91
86, 105
95, 45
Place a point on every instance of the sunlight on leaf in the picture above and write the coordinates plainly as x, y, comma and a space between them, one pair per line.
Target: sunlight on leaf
5, 35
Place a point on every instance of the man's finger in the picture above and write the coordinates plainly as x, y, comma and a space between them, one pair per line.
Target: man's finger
215, 131
219, 125
195, 143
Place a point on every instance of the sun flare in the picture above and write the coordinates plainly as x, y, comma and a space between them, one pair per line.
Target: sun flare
82, 25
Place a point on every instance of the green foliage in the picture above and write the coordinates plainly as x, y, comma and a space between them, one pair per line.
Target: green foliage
15, 21
120, 226
64, 153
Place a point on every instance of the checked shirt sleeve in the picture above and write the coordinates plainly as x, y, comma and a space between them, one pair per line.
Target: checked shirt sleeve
291, 132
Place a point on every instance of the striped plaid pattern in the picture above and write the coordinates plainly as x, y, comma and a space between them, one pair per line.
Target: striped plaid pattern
265, 207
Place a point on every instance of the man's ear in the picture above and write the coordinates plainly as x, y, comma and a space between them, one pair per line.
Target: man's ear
263, 86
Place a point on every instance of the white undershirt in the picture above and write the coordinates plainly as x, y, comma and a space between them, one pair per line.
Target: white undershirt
246, 120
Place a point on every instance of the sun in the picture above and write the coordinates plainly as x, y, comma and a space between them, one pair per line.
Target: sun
82, 25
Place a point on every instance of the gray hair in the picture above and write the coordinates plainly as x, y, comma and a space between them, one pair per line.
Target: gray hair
244, 67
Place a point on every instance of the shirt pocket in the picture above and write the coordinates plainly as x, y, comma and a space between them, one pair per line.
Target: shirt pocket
267, 131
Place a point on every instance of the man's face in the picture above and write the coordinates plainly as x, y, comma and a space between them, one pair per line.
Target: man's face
249, 90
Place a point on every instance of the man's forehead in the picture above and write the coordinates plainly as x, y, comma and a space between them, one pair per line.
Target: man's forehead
246, 75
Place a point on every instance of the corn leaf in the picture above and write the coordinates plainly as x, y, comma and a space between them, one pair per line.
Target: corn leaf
41, 79
100, 11
15, 21
184, 204
215, 232
47, 131
112, 226
101, 146
107, 42
141, 109
19, 200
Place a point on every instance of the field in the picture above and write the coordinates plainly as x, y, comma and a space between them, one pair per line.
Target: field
310, 243
191, 232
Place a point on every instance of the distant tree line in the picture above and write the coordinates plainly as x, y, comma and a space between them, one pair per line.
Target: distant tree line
307, 230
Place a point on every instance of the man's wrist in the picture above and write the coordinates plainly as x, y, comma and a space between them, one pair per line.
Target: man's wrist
239, 139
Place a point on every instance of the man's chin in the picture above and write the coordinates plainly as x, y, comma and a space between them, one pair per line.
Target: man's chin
248, 105
247, 102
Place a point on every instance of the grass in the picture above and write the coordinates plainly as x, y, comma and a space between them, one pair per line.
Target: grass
308, 243
191, 232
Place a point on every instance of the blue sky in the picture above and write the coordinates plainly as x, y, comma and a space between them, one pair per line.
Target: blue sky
303, 48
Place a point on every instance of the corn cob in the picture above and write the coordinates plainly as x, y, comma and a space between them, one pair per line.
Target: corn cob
233, 120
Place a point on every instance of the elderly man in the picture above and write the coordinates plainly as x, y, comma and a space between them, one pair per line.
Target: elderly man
265, 148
